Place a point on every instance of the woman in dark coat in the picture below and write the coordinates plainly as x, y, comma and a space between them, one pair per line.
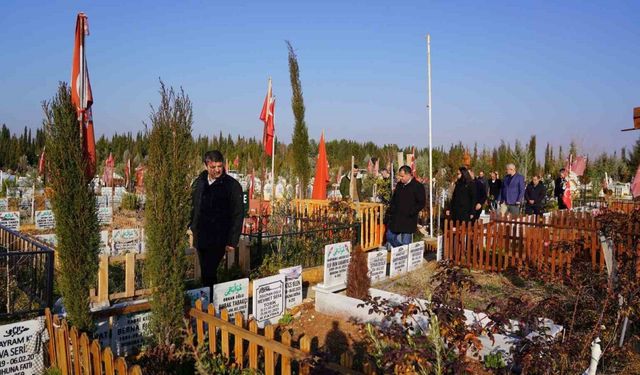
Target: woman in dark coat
463, 200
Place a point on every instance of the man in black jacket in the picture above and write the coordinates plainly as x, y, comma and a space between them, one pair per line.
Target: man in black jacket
216, 215
534, 196
408, 200
560, 186
495, 187
481, 195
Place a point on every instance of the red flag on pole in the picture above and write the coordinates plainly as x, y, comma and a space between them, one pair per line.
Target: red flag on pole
267, 116
322, 172
41, 163
236, 162
577, 166
81, 95
566, 197
252, 182
370, 166
109, 166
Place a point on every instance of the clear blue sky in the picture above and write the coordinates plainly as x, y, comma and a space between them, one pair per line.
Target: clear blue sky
562, 70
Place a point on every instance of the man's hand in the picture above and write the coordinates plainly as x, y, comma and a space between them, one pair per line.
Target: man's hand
531, 201
229, 248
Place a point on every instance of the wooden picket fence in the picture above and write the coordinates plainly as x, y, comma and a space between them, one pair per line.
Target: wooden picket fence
370, 215
522, 242
625, 206
75, 354
272, 352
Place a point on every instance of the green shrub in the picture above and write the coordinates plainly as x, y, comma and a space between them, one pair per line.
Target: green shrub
130, 202
167, 184
74, 206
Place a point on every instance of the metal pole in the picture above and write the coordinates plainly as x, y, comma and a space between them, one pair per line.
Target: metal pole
430, 137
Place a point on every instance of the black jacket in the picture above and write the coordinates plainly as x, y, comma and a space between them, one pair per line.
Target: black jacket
535, 193
481, 191
494, 188
406, 203
560, 185
463, 200
216, 212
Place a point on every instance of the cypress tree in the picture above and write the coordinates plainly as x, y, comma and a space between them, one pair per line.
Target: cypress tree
167, 210
74, 206
300, 137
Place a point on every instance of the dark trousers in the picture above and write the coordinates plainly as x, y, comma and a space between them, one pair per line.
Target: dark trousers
561, 205
209, 259
533, 210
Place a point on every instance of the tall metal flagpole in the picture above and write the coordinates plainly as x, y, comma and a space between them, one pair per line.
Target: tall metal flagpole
273, 160
430, 144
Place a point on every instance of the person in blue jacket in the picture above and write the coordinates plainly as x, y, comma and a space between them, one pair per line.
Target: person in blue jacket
512, 194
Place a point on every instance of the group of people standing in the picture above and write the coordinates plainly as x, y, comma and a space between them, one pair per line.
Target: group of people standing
508, 195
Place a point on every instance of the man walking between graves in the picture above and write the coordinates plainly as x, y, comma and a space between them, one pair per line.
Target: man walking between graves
512, 194
216, 215
481, 194
534, 196
559, 188
408, 200
345, 182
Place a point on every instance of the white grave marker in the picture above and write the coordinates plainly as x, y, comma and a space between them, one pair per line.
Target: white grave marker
128, 333
399, 260
416, 255
10, 219
293, 285
233, 296
105, 249
21, 348
123, 240
336, 262
377, 261
268, 299
49, 239
105, 215
45, 219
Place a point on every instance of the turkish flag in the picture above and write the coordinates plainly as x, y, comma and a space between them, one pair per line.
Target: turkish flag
41, 163
81, 95
566, 197
267, 115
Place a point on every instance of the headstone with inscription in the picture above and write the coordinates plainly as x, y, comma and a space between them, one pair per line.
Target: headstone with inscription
128, 333
399, 260
337, 257
105, 215
21, 346
125, 240
232, 296
45, 219
268, 299
103, 333
416, 255
377, 261
293, 285
10, 219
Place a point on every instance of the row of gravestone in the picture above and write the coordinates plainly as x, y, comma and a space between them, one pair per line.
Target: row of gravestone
112, 242
272, 295
45, 219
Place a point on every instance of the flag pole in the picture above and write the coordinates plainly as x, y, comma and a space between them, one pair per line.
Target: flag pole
430, 137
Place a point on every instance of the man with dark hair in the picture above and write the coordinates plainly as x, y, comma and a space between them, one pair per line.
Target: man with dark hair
216, 215
495, 186
408, 200
558, 190
534, 196
480, 196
